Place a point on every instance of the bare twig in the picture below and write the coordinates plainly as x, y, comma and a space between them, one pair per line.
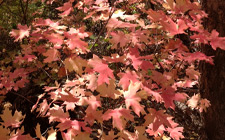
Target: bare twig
110, 15
23, 97
2, 2
156, 58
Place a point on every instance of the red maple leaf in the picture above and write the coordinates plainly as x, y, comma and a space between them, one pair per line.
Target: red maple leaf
157, 118
169, 96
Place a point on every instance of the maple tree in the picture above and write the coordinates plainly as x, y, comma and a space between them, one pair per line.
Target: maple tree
110, 76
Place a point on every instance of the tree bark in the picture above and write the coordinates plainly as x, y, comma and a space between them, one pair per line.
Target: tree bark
213, 76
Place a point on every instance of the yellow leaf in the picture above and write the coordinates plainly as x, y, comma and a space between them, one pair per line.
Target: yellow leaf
4, 133
8, 119
75, 64
82, 136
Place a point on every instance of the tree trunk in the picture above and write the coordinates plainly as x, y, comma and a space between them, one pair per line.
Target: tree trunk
213, 76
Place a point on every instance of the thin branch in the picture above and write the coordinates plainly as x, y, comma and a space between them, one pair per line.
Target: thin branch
110, 15
23, 97
156, 58
2, 2
23, 11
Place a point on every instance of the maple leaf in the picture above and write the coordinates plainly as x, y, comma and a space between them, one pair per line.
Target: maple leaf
91, 116
82, 136
134, 56
140, 132
38, 132
92, 78
110, 136
192, 73
21, 33
104, 71
75, 42
116, 39
19, 136
175, 132
131, 98
55, 38
56, 113
115, 23
115, 58
69, 99
190, 57
155, 94
93, 102
169, 96
204, 104
156, 15
174, 28
9, 119
156, 132
193, 101
66, 8
4, 133
51, 54
117, 115
74, 124
43, 107
216, 41
128, 135
157, 118
120, 14
75, 64
126, 78
78, 32
108, 90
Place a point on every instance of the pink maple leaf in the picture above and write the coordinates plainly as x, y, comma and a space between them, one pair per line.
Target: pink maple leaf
190, 57
51, 54
66, 8
204, 103
55, 38
134, 56
155, 94
56, 113
131, 98
93, 102
126, 78
104, 71
116, 39
155, 133
175, 132
76, 43
115, 23
174, 28
21, 33
216, 41
116, 114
